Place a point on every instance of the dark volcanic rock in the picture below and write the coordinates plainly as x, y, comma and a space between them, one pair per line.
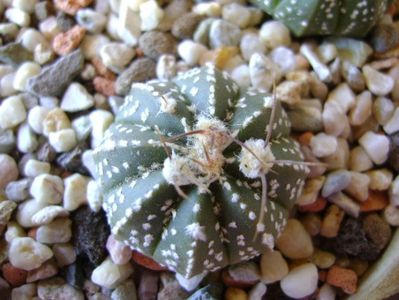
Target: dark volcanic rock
72, 160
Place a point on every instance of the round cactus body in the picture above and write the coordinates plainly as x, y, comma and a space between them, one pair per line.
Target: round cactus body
320, 17
181, 171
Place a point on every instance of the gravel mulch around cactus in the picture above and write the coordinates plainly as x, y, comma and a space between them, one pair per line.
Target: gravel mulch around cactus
75, 157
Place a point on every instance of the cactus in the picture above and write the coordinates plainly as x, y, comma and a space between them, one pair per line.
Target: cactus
320, 17
196, 173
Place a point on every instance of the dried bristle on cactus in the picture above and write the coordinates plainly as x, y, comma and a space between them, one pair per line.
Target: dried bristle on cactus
320, 17
197, 174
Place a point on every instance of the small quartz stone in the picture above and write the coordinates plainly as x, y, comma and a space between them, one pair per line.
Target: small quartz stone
223, 33
343, 96
76, 98
27, 141
110, 275
237, 14
56, 288
35, 168
151, 15
18, 190
13, 230
377, 82
391, 215
63, 140
244, 272
311, 191
48, 214
8, 170
12, 112
353, 76
36, 117
191, 52
376, 146
250, 44
58, 231
362, 109
100, 120
166, 67
273, 267
323, 145
301, 281
335, 182
75, 191
116, 56
25, 71
334, 119
392, 125
380, 179
27, 254
64, 254
295, 242
358, 187
359, 160
119, 253
91, 20
263, 72
351, 207
26, 210
26, 291
47, 189
274, 34
17, 16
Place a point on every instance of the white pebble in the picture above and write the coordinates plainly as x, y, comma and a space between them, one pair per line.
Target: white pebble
274, 34
285, 58
100, 120
92, 44
343, 96
263, 72
190, 284
82, 127
26, 71
127, 27
56, 119
334, 119
13, 230
94, 195
34, 167
49, 27
88, 162
24, 292
392, 125
378, 83
93, 21
241, 75
27, 254
209, 9
18, 16
326, 292
323, 145
25, 5
26, 210
191, 52
75, 191
58, 231
257, 291
27, 141
376, 146
64, 254
31, 38
383, 109
300, 281
47, 189
36, 116
250, 43
63, 140
359, 160
47, 214
6, 85
116, 56
12, 112
166, 67
391, 215
151, 15
76, 98
362, 109
237, 14
119, 253
380, 179
110, 275
394, 192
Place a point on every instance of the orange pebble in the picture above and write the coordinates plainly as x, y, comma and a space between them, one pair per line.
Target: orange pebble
375, 202
32, 233
322, 275
14, 276
146, 262
305, 138
102, 70
345, 279
317, 206
71, 6
104, 86
66, 42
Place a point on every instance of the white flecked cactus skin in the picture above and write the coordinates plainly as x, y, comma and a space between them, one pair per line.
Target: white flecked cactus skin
321, 17
204, 213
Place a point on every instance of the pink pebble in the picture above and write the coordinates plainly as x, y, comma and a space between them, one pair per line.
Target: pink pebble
119, 252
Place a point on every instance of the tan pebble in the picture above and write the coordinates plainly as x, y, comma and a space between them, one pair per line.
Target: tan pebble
55, 120
66, 42
358, 187
46, 270
359, 266
312, 223
380, 179
235, 294
323, 259
359, 160
378, 83
332, 222
289, 92
273, 266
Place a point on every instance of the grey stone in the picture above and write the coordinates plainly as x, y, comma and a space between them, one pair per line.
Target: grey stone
141, 70
54, 78
156, 43
46, 153
223, 33
18, 190
14, 54
184, 27
72, 160
65, 22
335, 182
201, 34
7, 140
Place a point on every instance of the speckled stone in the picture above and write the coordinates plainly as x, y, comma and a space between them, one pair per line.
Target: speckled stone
156, 43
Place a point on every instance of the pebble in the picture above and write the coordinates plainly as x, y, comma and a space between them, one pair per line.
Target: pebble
342, 278
14, 276
12, 112
90, 234
75, 191
335, 182
76, 98
250, 43
223, 34
240, 74
166, 67
8, 170
257, 292
362, 109
56, 288
127, 27
346, 203
378, 83
72, 160
376, 146
119, 253
343, 96
156, 43
24, 292
353, 76
64, 254
273, 267
27, 141
358, 187
190, 284
27, 254
36, 116
311, 191
391, 215
100, 120
46, 270
17, 16
110, 275
263, 72
14, 54
26, 210
323, 145
184, 26
63, 140
244, 272
377, 230
31, 38
237, 14
47, 189
295, 242
332, 221
47, 214
323, 259
210, 9
6, 85
306, 116
140, 70
233, 293
58, 231
151, 15
50, 102
7, 207
91, 20
301, 281
326, 292
191, 52
125, 291
392, 125
7, 140
26, 71
380, 179
116, 56
53, 79
18, 190
274, 34
35, 168
359, 160
13, 230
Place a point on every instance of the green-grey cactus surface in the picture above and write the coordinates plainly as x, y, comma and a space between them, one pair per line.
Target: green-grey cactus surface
185, 134
320, 17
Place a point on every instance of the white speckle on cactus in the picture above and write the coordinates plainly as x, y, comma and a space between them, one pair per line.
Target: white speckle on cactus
254, 167
196, 231
168, 105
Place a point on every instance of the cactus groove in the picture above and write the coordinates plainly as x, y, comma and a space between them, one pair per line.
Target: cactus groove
179, 177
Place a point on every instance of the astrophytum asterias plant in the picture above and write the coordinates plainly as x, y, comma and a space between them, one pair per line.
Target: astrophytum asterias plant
194, 173
322, 17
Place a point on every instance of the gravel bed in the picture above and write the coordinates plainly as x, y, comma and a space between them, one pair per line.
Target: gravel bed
66, 66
